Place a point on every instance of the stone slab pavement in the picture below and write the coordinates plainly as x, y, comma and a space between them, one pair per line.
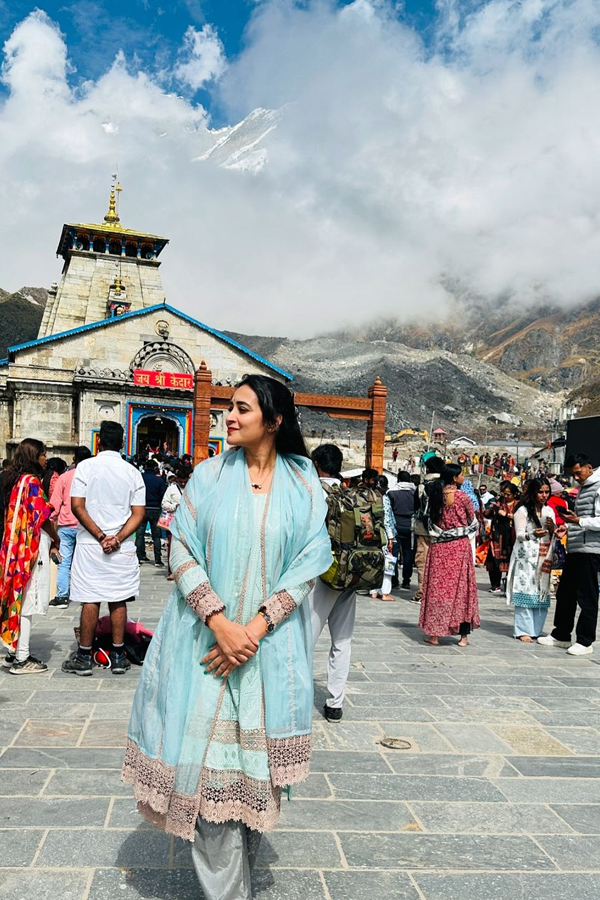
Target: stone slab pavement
497, 796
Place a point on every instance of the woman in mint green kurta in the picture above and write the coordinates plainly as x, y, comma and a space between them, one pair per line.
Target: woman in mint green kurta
248, 541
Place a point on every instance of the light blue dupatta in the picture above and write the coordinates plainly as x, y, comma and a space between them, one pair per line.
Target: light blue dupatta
178, 720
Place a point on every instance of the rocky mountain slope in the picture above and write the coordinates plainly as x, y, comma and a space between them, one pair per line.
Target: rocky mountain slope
467, 395
20, 316
546, 346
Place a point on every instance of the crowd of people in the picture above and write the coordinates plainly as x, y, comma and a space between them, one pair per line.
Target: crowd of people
519, 532
499, 466
267, 546
40, 521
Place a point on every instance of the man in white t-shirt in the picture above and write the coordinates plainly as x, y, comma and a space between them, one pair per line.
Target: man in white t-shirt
108, 499
485, 495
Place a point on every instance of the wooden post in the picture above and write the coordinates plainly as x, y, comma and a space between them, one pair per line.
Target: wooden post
376, 428
202, 399
369, 409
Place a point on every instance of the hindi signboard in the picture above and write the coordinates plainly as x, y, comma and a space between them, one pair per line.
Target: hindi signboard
174, 380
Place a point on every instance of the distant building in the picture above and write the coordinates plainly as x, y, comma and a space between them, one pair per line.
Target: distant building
463, 442
110, 347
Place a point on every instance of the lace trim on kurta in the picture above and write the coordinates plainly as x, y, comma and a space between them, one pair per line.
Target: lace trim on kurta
185, 567
279, 606
233, 795
289, 758
228, 731
153, 781
298, 473
204, 601
190, 506
224, 796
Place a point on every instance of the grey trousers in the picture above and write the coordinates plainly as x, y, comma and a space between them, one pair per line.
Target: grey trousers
224, 855
338, 609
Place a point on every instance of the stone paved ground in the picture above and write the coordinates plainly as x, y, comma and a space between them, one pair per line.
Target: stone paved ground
498, 796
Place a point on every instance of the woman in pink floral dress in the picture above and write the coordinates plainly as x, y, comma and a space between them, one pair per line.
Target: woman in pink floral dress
449, 604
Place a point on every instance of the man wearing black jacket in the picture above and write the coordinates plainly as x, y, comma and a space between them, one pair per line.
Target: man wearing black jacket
155, 490
402, 500
433, 465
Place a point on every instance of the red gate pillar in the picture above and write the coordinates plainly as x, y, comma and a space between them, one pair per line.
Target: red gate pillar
202, 398
376, 428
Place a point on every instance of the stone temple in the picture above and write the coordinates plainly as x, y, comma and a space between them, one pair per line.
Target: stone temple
111, 347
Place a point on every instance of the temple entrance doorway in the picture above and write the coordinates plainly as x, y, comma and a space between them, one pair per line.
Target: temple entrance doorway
153, 432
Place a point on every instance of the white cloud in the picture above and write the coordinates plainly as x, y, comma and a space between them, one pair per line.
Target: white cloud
394, 176
202, 58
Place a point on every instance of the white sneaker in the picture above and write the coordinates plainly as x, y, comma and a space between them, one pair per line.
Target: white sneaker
580, 650
549, 641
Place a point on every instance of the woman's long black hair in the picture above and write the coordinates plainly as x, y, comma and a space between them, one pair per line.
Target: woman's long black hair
54, 464
529, 499
436, 491
24, 462
275, 399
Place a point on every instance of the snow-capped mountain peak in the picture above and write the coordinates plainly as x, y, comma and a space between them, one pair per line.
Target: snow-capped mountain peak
239, 146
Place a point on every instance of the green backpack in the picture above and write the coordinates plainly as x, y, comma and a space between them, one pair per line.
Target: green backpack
358, 538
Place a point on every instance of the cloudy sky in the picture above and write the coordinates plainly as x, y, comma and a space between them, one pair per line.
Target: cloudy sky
422, 153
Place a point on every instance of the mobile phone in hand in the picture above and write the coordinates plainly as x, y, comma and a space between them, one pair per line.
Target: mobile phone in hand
56, 557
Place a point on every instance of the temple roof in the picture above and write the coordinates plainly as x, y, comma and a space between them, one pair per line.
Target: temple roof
110, 226
108, 323
107, 229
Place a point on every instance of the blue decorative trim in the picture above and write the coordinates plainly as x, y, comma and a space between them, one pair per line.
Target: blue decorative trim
94, 440
179, 414
142, 312
529, 601
4, 362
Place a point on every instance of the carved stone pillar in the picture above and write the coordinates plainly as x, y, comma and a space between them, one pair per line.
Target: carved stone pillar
376, 428
202, 398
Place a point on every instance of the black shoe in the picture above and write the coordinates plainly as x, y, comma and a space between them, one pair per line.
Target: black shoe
142, 559
333, 713
29, 666
406, 585
159, 565
59, 602
8, 660
78, 664
119, 663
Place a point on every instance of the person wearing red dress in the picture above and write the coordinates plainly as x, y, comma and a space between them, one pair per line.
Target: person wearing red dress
450, 604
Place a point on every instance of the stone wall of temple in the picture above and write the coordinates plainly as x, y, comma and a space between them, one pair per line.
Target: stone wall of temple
83, 291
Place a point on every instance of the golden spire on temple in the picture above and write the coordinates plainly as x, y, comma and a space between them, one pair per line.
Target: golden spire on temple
112, 216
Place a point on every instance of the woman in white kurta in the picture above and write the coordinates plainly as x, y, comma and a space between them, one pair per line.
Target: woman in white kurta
170, 503
528, 583
389, 523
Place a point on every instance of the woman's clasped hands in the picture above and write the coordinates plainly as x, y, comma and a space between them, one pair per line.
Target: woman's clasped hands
235, 644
